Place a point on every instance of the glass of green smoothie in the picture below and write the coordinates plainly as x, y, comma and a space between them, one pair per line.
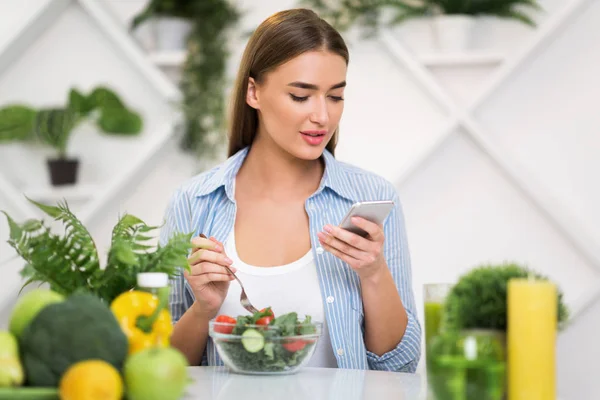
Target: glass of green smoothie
434, 296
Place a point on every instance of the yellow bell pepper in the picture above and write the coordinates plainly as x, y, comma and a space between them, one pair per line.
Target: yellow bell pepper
144, 319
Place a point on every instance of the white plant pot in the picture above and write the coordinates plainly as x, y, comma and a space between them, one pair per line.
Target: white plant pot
453, 33
145, 36
171, 33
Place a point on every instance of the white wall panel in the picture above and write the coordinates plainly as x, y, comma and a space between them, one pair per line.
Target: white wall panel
462, 208
547, 117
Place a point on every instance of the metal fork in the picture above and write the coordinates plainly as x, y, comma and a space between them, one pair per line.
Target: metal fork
243, 297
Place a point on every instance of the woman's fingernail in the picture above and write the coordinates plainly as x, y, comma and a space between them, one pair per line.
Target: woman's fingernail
328, 229
228, 260
321, 235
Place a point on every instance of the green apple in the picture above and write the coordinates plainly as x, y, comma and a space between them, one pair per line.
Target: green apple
28, 307
156, 374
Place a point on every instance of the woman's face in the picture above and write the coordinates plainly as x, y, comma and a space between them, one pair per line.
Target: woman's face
300, 103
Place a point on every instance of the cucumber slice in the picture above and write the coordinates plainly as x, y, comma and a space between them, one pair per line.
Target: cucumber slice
253, 341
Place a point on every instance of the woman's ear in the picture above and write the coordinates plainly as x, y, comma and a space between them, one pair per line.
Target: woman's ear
252, 95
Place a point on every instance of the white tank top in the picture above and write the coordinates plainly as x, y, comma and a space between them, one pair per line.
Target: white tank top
286, 288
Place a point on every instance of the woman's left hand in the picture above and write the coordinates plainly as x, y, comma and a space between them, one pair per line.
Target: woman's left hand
363, 255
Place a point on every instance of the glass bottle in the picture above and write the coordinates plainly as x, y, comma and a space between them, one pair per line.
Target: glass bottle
152, 281
157, 284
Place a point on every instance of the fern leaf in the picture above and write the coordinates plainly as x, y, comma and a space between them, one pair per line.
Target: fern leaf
131, 229
69, 262
52, 211
15, 229
123, 253
27, 283
76, 233
64, 262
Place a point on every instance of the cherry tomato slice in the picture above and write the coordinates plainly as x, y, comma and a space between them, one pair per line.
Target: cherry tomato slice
294, 345
266, 320
270, 311
226, 329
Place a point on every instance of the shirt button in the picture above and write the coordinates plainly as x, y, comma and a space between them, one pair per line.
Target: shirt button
330, 299
340, 352
320, 250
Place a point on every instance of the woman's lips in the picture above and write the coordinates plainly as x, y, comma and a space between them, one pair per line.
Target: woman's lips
314, 137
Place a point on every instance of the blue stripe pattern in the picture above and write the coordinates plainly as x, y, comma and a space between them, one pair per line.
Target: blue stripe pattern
205, 204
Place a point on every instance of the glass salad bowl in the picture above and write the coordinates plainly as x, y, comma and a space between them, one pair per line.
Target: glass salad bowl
255, 346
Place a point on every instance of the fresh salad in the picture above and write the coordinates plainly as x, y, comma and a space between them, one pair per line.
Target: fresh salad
263, 346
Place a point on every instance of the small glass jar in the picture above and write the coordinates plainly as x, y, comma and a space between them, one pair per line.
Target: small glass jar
158, 319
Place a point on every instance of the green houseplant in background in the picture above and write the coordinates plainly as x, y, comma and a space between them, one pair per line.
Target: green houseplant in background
16, 123
203, 81
452, 19
468, 357
70, 262
167, 22
53, 127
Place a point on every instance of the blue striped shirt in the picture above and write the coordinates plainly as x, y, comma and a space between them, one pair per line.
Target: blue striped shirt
206, 204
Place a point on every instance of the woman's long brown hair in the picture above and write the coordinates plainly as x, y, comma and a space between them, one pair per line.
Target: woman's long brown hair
279, 38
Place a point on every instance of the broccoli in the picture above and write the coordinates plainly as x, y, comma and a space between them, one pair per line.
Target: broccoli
80, 328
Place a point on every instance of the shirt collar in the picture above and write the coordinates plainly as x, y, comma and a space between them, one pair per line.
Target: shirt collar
335, 176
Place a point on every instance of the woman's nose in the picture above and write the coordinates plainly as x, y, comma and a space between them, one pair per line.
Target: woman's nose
320, 114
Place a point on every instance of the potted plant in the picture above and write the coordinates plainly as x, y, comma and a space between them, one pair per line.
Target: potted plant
70, 262
203, 74
170, 22
469, 355
452, 20
16, 123
53, 126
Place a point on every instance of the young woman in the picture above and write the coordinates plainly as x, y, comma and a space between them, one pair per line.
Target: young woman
271, 213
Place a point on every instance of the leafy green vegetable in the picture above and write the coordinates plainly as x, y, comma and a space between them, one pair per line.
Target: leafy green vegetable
80, 328
287, 324
244, 320
278, 353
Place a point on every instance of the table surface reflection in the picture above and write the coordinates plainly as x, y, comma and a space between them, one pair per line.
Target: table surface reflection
212, 383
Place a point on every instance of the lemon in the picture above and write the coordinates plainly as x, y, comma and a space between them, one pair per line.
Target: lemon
91, 380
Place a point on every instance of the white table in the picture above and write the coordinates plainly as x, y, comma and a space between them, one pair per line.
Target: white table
212, 383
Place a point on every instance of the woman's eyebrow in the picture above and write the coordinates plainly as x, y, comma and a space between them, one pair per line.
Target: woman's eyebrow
304, 85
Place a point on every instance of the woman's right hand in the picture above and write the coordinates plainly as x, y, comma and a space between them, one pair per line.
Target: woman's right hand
208, 278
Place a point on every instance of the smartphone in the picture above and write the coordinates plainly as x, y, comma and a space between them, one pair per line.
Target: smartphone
374, 211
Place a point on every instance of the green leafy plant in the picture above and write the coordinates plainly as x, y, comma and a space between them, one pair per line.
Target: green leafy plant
478, 300
53, 126
16, 123
168, 8
70, 263
368, 13
203, 79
